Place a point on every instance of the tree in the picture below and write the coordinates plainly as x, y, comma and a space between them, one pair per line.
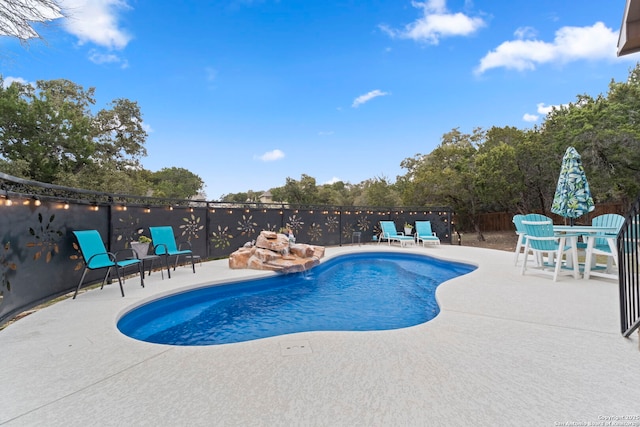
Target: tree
606, 132
176, 183
378, 192
49, 133
303, 192
336, 194
501, 180
234, 197
447, 176
539, 165
16, 17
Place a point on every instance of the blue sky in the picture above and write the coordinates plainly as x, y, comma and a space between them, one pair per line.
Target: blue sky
246, 93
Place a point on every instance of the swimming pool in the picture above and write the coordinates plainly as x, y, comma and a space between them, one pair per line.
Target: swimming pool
354, 292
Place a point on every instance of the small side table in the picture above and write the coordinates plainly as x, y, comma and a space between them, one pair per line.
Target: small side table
356, 235
151, 258
195, 258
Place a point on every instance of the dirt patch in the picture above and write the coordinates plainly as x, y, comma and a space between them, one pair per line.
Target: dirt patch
501, 240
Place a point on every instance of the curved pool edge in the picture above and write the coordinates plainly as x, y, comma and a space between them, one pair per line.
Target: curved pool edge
227, 382
196, 296
231, 276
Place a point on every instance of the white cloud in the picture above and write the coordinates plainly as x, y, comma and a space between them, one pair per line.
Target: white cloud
368, 97
525, 33
8, 80
211, 73
570, 44
271, 156
96, 21
325, 133
543, 109
107, 58
332, 181
435, 23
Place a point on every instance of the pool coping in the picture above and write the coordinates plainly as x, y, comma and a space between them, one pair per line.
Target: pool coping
147, 320
505, 348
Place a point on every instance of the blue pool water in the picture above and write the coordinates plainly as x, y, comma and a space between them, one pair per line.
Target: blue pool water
355, 292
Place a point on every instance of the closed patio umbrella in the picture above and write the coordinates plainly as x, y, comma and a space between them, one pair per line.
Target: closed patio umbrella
573, 197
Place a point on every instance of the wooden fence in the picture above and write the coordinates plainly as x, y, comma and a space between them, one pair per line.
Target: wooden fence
502, 221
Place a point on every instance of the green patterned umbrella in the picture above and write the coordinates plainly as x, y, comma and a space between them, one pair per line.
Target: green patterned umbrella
573, 197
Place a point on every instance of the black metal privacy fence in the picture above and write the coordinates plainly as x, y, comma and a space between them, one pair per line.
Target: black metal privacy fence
39, 259
628, 271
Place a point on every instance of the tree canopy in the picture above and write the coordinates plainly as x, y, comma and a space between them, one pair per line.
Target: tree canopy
50, 133
508, 169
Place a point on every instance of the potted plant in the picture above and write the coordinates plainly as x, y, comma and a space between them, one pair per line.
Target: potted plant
141, 246
408, 229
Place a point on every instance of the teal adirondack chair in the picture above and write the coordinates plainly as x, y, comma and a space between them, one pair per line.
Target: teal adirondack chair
522, 239
537, 217
541, 240
522, 235
390, 233
601, 247
424, 233
95, 257
164, 245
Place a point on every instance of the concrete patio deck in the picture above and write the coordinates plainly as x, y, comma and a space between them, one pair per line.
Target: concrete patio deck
505, 349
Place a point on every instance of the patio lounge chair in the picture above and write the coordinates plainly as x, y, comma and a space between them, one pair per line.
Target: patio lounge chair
390, 233
542, 240
164, 245
424, 233
95, 257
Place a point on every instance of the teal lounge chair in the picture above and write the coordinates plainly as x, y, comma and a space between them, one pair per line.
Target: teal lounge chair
95, 257
164, 245
390, 233
424, 233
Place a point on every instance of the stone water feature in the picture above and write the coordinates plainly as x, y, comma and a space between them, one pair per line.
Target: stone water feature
273, 251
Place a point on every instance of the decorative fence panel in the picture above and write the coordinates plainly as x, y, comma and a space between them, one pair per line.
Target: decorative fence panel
39, 259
